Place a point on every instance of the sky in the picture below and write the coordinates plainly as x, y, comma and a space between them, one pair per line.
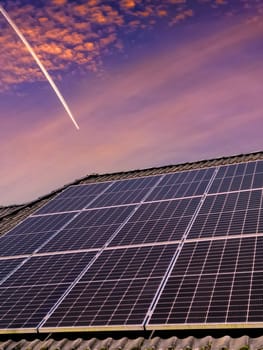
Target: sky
150, 83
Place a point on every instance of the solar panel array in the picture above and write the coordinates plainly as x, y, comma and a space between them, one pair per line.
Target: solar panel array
177, 250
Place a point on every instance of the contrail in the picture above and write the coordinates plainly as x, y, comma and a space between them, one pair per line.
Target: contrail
43, 69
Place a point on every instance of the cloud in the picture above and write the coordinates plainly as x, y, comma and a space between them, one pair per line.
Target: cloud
168, 108
67, 34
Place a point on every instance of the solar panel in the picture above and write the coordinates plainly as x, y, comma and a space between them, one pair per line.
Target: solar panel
177, 250
11, 245
116, 290
39, 224
238, 177
29, 293
90, 229
213, 282
7, 266
73, 198
182, 184
229, 214
157, 222
126, 192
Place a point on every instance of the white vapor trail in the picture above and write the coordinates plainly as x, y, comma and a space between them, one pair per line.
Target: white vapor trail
43, 69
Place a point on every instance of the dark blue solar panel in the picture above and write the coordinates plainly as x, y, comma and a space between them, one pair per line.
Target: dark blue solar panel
11, 245
90, 229
213, 282
238, 177
65, 204
38, 224
104, 216
7, 266
125, 192
119, 198
30, 292
229, 214
182, 184
24, 307
117, 289
133, 184
80, 238
157, 222
73, 198
93, 189
49, 269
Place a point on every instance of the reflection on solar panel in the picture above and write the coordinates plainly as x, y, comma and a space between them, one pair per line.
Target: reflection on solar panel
176, 250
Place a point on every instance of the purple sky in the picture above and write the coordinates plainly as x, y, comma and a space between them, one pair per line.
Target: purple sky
150, 83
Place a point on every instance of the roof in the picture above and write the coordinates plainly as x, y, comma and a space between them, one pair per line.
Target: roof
140, 343
12, 215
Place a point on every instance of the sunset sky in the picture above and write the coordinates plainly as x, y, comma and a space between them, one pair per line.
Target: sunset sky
150, 83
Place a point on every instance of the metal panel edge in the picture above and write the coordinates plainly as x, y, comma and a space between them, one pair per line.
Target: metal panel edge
18, 330
91, 329
203, 326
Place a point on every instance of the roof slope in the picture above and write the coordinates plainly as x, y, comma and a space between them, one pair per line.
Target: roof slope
12, 215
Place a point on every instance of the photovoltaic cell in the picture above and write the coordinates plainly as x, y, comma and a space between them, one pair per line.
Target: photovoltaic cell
134, 184
157, 222
238, 177
125, 192
80, 238
65, 204
117, 289
73, 198
7, 266
119, 198
90, 229
106, 303
23, 307
229, 214
214, 282
129, 263
79, 191
49, 269
104, 216
28, 294
11, 245
38, 224
182, 184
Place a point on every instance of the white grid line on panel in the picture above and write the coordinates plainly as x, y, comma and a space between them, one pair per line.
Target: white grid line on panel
252, 274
